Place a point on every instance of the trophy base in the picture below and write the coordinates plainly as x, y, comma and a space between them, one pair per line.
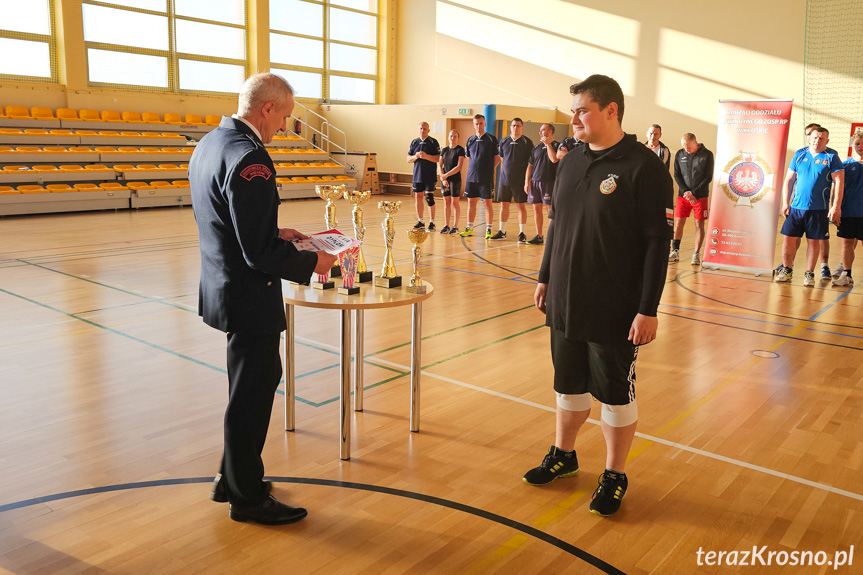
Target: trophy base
349, 291
336, 272
364, 277
381, 281
323, 285
416, 289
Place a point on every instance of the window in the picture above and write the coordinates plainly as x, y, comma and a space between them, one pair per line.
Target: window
170, 45
326, 49
27, 44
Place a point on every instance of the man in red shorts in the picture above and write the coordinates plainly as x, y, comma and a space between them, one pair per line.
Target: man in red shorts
693, 172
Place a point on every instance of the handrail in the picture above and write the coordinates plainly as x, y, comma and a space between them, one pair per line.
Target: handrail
326, 141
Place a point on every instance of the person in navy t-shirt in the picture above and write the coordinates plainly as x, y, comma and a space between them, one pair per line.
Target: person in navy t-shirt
851, 225
481, 150
424, 154
811, 178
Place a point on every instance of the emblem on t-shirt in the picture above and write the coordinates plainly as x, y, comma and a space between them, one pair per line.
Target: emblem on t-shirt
746, 179
256, 171
608, 185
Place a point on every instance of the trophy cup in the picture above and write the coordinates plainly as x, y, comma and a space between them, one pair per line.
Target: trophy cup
358, 198
389, 278
417, 237
330, 193
323, 282
348, 260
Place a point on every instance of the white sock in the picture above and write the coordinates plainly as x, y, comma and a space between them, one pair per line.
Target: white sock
469, 226
488, 226
503, 226
521, 228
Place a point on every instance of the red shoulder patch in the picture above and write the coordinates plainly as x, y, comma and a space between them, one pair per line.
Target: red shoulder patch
256, 171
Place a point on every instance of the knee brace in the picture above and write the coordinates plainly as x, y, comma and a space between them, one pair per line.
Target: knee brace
429, 199
573, 402
620, 415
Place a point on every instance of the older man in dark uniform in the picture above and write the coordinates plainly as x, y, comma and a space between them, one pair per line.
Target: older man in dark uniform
244, 255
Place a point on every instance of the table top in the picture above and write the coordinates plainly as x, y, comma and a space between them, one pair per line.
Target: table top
370, 296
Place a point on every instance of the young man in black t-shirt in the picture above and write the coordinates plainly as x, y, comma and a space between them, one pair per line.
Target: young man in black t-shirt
482, 151
451, 164
424, 154
515, 152
541, 172
611, 211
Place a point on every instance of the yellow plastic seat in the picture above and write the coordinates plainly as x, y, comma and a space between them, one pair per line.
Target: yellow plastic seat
313, 178
112, 186
168, 167
124, 168
343, 178
18, 113
71, 168
67, 114
181, 183
132, 117
86, 133
98, 168
299, 165
28, 149
60, 188
194, 119
173, 119
10, 131
90, 116
111, 116
151, 118
315, 165
13, 169
61, 132
5, 149
42, 113
106, 149
32, 189
8, 191
45, 168
138, 186
171, 150
151, 150
298, 179
35, 132
188, 150
211, 120
171, 135
55, 149
86, 187
327, 178
109, 133
131, 134
161, 184
184, 166
128, 150
147, 167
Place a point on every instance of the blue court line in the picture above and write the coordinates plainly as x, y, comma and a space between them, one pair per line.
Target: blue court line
726, 315
834, 333
835, 301
515, 279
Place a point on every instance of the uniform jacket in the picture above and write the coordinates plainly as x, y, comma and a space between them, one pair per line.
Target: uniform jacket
236, 203
694, 172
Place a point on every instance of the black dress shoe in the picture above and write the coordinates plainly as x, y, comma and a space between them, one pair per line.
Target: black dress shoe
270, 512
219, 493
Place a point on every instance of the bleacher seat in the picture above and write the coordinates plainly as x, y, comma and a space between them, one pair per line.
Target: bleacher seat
109, 134
18, 113
124, 168
161, 184
41, 113
67, 114
110, 116
71, 168
212, 120
194, 120
14, 169
32, 189
55, 149
35, 132
8, 191
139, 186
60, 188
45, 168
151, 118
62, 133
181, 183
86, 187
171, 167
132, 117
98, 168
90, 116
112, 186
173, 119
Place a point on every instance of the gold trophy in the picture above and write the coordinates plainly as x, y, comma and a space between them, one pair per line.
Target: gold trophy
330, 193
358, 198
389, 278
417, 237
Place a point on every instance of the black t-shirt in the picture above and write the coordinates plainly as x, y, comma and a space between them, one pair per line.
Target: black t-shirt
570, 143
544, 170
514, 156
605, 211
450, 160
481, 152
425, 171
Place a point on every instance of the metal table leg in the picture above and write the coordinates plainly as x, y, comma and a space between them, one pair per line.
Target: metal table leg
289, 368
358, 362
345, 386
416, 343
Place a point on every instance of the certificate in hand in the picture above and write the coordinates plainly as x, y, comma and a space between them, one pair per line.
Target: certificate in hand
331, 241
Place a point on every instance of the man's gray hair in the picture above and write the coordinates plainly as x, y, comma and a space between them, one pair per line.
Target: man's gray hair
261, 88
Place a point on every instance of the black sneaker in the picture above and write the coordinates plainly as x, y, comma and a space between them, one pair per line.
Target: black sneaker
431, 227
609, 493
522, 238
536, 240
453, 231
556, 464
825, 272
419, 225
499, 235
444, 230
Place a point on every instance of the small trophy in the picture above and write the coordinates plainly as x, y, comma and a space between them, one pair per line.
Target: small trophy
348, 261
330, 193
358, 198
417, 237
323, 282
389, 278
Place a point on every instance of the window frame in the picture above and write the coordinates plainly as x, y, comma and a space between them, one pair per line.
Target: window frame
50, 39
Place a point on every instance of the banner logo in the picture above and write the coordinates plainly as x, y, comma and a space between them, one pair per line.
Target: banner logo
609, 185
746, 179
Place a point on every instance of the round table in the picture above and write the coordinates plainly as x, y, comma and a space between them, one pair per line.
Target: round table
370, 297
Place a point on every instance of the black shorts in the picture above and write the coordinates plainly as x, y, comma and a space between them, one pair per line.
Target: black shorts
423, 187
476, 190
813, 223
540, 193
454, 188
511, 194
850, 228
606, 371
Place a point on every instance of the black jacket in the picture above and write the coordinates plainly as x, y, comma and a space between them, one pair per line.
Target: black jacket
236, 204
694, 172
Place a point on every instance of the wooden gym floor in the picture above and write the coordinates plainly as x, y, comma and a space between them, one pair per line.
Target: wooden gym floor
113, 391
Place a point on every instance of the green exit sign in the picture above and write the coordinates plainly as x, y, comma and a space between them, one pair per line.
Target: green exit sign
464, 111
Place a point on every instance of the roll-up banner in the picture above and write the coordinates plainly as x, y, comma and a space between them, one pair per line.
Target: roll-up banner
749, 171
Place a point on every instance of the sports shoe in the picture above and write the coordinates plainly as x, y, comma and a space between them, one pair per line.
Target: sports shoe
825, 272
431, 227
609, 493
844, 279
777, 269
808, 278
499, 235
419, 225
522, 238
556, 464
467, 232
696, 259
536, 240
783, 275
487, 233
838, 271
453, 231
674, 256
444, 230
